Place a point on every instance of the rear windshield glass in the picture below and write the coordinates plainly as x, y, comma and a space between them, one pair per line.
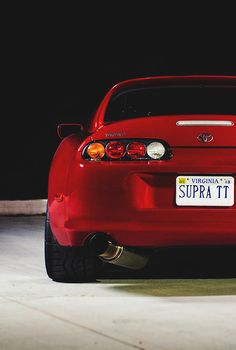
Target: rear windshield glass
171, 100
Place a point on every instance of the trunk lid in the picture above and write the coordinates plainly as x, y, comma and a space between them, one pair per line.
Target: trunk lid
176, 130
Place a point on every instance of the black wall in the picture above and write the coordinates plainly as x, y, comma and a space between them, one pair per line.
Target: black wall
54, 77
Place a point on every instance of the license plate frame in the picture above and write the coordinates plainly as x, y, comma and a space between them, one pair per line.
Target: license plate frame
214, 191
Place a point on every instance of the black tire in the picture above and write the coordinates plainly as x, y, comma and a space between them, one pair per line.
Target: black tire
67, 264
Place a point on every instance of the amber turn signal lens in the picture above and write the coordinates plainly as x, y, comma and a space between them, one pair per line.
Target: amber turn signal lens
115, 149
96, 150
136, 150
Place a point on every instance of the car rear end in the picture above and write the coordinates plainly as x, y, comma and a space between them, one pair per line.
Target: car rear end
185, 196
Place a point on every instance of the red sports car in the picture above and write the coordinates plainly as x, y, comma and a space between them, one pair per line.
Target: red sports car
156, 167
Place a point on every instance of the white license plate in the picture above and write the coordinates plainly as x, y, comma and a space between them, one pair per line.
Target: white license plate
205, 190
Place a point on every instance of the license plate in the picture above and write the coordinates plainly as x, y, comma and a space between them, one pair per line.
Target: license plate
205, 191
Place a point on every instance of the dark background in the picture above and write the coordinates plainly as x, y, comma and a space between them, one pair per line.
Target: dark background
58, 67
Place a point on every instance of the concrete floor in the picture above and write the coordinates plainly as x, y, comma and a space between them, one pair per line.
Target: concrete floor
36, 313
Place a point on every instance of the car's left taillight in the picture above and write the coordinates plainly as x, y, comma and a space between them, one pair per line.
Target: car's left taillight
115, 149
96, 151
127, 150
136, 150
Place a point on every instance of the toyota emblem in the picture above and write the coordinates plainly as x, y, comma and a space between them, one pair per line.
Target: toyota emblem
205, 138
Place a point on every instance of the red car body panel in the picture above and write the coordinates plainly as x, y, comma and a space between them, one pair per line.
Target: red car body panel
134, 201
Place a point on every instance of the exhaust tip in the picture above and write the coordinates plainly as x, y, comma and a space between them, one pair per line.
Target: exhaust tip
99, 243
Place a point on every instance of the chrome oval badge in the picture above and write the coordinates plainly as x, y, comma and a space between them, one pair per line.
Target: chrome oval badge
205, 137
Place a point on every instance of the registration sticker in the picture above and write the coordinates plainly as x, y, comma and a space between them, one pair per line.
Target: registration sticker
205, 191
182, 180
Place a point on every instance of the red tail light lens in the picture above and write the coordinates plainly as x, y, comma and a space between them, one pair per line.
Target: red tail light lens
136, 150
115, 150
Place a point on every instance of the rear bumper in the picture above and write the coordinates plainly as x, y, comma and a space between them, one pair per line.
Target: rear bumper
135, 202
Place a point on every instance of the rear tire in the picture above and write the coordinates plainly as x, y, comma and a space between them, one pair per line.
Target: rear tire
67, 264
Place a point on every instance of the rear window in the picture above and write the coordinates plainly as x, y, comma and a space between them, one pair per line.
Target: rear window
171, 100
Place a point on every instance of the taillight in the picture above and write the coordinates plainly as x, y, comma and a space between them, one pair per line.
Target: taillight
136, 150
156, 150
96, 150
115, 150
127, 150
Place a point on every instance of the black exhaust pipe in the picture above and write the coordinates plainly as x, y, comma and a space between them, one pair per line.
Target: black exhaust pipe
101, 246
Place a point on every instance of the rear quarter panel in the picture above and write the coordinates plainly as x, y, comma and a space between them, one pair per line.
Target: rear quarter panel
57, 184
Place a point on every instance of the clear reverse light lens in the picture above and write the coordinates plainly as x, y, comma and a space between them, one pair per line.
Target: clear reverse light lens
156, 150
